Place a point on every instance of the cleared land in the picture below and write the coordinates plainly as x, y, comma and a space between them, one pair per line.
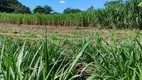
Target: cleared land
37, 31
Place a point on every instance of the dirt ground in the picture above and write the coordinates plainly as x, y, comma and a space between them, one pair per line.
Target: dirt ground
23, 27
38, 30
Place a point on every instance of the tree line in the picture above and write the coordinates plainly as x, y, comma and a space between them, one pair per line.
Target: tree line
14, 6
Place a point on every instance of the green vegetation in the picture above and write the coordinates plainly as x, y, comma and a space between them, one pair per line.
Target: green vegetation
70, 10
38, 9
75, 54
13, 6
117, 14
85, 58
43, 10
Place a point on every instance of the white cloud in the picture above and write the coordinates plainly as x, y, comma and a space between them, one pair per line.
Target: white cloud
62, 2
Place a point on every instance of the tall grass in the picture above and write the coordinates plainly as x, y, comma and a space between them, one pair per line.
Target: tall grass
116, 14
79, 19
19, 60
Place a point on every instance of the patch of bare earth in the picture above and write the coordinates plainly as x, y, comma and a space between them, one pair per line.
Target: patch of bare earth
83, 70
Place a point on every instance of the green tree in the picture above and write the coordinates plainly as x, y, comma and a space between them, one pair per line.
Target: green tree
13, 6
70, 10
91, 8
67, 10
22, 10
47, 9
39, 9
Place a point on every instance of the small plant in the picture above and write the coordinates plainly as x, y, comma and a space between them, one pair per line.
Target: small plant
15, 31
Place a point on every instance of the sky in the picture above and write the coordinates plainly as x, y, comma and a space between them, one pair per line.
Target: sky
60, 5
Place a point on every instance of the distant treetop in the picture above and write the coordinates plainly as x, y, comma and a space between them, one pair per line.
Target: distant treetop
70, 10
13, 6
43, 10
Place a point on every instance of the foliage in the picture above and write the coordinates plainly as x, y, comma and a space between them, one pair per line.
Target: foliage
43, 10
38, 9
140, 4
70, 10
13, 6
23, 10
100, 61
47, 9
90, 8
116, 14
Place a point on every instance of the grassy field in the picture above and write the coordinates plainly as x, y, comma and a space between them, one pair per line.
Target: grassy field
28, 53
96, 44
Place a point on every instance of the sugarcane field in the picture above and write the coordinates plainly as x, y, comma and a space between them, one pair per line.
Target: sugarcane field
71, 40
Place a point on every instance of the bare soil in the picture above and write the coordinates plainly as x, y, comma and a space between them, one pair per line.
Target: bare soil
18, 30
